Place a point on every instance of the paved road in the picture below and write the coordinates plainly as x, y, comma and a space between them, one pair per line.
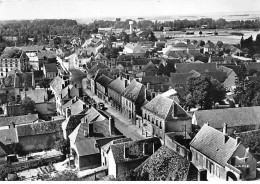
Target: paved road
123, 124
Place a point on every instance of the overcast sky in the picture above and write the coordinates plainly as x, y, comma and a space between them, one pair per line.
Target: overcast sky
32, 9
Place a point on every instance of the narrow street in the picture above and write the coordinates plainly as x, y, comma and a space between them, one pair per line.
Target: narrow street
122, 123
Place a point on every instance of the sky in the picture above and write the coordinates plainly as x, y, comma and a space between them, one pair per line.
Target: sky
46, 9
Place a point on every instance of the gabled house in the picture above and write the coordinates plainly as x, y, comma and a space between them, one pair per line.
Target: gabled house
149, 69
237, 119
163, 114
50, 70
73, 107
87, 139
115, 89
102, 83
230, 80
7, 122
221, 156
180, 79
127, 155
209, 48
133, 98
70, 124
133, 48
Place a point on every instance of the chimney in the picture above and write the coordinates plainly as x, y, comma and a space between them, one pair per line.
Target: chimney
148, 86
68, 112
69, 92
85, 133
144, 149
89, 106
125, 83
238, 140
207, 123
90, 129
111, 125
224, 128
95, 105
153, 148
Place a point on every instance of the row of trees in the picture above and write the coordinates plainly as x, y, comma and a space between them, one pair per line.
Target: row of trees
253, 46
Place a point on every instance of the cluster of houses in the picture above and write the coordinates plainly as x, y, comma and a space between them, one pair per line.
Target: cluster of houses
132, 85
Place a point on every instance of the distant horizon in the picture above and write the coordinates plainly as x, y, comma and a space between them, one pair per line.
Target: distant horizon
210, 15
102, 9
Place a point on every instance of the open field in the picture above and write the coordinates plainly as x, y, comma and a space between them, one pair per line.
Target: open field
224, 35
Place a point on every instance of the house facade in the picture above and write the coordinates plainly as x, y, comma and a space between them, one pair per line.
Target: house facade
221, 156
162, 115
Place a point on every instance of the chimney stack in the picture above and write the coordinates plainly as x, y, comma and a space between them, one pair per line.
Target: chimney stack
90, 129
224, 128
238, 140
111, 125
68, 112
125, 83
148, 86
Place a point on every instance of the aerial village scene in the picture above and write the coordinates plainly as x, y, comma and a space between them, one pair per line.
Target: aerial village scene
130, 90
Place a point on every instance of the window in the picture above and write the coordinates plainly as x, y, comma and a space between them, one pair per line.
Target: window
160, 125
247, 171
217, 171
11, 65
148, 117
144, 115
1, 74
156, 122
196, 155
126, 102
6, 69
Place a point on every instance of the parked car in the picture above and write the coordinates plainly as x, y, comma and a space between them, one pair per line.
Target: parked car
101, 106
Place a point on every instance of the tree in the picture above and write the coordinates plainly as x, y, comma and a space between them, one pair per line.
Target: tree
57, 40
63, 145
28, 105
218, 91
17, 148
205, 91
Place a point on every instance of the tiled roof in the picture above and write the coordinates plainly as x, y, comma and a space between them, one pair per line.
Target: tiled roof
235, 68
79, 133
198, 67
181, 78
39, 128
117, 85
4, 151
76, 107
20, 81
125, 58
38, 74
8, 136
134, 92
92, 115
210, 45
135, 149
56, 84
172, 54
155, 79
252, 65
96, 67
219, 75
165, 164
211, 143
47, 54
231, 116
117, 141
86, 147
217, 59
72, 122
50, 67
18, 120
103, 80
38, 95
163, 107
180, 44
160, 87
